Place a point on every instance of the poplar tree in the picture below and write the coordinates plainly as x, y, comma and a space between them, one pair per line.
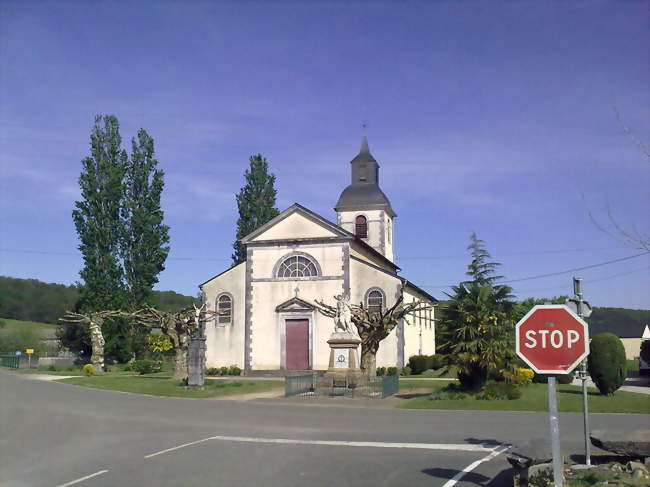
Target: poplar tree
123, 240
143, 246
97, 217
255, 202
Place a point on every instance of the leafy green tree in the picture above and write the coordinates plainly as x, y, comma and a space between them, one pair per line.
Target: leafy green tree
97, 217
477, 328
255, 202
143, 245
524, 306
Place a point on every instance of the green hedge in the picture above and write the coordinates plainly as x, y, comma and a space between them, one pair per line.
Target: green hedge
607, 366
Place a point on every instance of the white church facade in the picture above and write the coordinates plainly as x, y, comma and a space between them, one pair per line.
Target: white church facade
267, 319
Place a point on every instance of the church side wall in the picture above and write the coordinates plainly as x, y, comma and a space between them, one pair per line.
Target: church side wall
225, 343
268, 292
362, 279
419, 331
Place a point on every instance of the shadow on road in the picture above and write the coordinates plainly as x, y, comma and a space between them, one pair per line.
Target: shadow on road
448, 473
486, 443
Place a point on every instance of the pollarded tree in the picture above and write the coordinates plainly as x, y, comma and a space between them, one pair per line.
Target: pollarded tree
375, 325
94, 321
179, 327
255, 202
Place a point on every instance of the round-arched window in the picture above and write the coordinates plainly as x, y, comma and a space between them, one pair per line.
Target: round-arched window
224, 310
297, 266
361, 226
375, 301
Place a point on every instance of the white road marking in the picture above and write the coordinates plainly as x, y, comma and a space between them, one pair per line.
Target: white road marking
369, 444
453, 481
177, 447
83, 478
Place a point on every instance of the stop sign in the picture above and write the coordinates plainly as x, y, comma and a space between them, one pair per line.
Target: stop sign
551, 339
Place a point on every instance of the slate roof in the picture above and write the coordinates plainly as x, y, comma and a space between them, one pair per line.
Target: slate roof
364, 194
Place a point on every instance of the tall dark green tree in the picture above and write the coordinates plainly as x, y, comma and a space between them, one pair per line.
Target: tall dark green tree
145, 237
97, 217
143, 245
255, 202
477, 326
119, 222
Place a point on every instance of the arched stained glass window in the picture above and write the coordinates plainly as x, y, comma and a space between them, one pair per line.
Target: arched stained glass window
224, 309
361, 227
375, 301
297, 266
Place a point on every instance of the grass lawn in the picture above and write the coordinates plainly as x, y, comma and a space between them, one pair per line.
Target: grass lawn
407, 384
163, 386
32, 325
535, 398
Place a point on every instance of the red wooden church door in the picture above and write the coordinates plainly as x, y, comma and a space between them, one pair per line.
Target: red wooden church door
297, 345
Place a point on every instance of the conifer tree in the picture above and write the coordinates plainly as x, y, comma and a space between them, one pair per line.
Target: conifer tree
477, 328
255, 202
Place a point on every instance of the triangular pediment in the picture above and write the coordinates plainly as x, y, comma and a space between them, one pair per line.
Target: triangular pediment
296, 223
294, 304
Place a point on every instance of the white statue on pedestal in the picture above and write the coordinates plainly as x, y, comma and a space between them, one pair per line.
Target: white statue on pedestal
343, 319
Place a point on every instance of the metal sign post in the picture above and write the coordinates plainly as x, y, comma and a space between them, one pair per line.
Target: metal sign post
582, 374
555, 432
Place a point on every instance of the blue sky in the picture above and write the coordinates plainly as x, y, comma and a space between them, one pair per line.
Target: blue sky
497, 117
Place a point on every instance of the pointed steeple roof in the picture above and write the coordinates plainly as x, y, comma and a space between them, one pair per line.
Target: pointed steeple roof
364, 193
364, 154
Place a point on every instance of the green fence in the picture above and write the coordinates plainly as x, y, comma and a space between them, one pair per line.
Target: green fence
389, 385
11, 361
299, 385
310, 385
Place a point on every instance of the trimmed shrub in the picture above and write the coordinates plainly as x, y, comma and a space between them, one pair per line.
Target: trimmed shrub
147, 366
520, 377
606, 364
381, 371
391, 370
223, 370
234, 370
420, 363
437, 361
212, 371
406, 370
88, 369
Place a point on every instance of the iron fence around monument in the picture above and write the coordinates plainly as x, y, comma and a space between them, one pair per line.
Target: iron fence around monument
313, 385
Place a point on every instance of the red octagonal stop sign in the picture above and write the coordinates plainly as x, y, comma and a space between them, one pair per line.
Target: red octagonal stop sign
551, 339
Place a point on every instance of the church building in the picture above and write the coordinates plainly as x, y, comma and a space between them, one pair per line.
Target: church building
267, 319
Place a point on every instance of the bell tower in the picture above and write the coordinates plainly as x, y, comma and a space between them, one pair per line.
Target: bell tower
363, 208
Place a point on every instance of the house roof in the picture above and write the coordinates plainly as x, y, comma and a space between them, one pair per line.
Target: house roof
624, 323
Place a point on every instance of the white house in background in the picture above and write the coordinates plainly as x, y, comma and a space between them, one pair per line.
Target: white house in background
267, 318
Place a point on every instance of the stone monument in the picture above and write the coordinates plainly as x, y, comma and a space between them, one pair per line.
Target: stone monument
196, 351
344, 343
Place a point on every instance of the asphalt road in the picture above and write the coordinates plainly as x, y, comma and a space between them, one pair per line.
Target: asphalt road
54, 435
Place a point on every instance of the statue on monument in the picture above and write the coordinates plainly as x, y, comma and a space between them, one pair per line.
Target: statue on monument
343, 318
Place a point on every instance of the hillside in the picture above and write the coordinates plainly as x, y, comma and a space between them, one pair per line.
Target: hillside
34, 300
